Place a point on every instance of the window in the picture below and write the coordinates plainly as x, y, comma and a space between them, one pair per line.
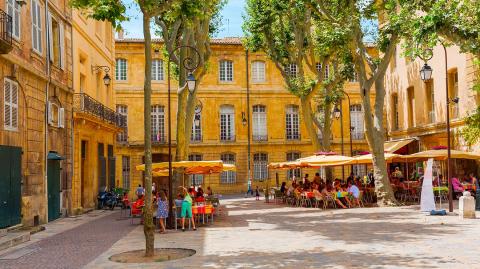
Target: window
10, 105
228, 177
157, 69
259, 123
126, 172
56, 42
121, 69
453, 93
292, 156
226, 71
292, 123
355, 77
158, 123
197, 128
13, 9
357, 121
327, 70
260, 169
359, 170
395, 116
411, 107
195, 179
430, 100
36, 26
56, 115
292, 70
227, 123
258, 71
123, 136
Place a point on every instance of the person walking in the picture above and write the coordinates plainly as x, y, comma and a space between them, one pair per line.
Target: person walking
162, 211
257, 194
187, 209
140, 191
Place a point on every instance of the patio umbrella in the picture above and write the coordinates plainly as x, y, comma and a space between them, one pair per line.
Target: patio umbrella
325, 160
190, 167
368, 158
288, 165
439, 155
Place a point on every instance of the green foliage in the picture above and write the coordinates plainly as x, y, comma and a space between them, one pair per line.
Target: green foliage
103, 10
471, 131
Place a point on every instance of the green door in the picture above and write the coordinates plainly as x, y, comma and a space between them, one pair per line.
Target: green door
10, 186
53, 174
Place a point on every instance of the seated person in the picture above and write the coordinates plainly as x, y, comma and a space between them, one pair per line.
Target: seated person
317, 194
209, 191
354, 194
457, 187
398, 174
283, 188
291, 189
199, 192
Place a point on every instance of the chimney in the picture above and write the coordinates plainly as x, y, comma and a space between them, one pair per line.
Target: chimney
120, 34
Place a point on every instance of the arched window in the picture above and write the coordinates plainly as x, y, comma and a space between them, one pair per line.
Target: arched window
227, 123
258, 71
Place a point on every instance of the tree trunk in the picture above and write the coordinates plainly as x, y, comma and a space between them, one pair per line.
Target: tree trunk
148, 228
308, 121
375, 135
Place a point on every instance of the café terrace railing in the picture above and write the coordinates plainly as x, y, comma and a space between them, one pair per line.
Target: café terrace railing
5, 32
86, 104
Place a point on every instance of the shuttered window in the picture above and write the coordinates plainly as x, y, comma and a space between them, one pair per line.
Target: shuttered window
10, 105
13, 9
36, 26
158, 123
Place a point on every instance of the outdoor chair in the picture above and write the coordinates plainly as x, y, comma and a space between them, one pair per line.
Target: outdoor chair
279, 196
360, 199
318, 200
305, 201
329, 199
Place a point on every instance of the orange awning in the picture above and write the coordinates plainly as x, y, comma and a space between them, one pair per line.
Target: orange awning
392, 146
440, 155
325, 160
190, 167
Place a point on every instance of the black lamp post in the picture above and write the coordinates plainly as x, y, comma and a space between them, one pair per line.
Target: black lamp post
338, 114
190, 64
426, 75
106, 69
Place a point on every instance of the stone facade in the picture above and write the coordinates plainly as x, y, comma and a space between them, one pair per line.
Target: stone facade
37, 89
93, 57
213, 94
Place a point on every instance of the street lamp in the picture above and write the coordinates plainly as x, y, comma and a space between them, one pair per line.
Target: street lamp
426, 75
106, 69
337, 112
190, 64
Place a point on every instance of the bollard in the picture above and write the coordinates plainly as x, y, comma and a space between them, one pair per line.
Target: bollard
466, 206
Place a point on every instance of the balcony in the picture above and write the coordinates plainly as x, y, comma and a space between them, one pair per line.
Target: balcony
293, 136
227, 138
158, 139
196, 138
83, 103
358, 136
259, 138
5, 33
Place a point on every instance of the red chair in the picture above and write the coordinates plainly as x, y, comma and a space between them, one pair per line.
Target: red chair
136, 209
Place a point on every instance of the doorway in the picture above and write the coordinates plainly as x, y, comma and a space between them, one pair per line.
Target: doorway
53, 189
10, 186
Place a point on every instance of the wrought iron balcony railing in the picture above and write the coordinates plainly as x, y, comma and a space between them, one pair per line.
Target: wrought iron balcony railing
293, 136
259, 138
5, 32
86, 104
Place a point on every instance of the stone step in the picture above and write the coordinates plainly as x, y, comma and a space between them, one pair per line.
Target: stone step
13, 238
3, 232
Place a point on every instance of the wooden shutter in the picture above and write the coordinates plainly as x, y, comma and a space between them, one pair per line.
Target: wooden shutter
50, 113
62, 45
50, 37
6, 105
61, 117
14, 104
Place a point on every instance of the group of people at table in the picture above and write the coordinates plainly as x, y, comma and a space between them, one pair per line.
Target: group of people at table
459, 183
344, 195
184, 201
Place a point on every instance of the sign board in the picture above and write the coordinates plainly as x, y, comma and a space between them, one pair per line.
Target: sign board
427, 201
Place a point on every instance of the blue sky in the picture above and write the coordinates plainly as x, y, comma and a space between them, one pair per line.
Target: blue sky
231, 19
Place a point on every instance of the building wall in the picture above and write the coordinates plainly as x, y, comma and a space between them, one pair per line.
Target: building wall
213, 93
28, 68
93, 48
404, 73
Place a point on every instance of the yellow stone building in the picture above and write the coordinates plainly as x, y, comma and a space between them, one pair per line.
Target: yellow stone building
416, 111
96, 123
36, 99
277, 132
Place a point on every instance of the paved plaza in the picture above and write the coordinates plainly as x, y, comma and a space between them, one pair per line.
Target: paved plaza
253, 234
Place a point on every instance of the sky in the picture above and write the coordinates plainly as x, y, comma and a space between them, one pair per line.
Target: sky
231, 18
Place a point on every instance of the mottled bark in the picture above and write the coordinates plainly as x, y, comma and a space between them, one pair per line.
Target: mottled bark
148, 227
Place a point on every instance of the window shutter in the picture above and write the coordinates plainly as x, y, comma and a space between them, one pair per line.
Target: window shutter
61, 117
7, 106
50, 36
62, 46
50, 113
14, 104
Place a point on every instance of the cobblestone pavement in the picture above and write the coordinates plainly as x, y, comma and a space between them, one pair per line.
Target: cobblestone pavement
65, 244
253, 234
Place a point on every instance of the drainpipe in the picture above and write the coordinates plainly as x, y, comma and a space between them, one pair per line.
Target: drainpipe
249, 178
47, 88
72, 122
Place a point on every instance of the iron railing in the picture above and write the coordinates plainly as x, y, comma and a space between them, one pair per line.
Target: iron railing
260, 137
358, 136
227, 138
6, 28
86, 104
293, 136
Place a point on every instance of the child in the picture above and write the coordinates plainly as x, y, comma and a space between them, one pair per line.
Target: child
162, 211
187, 209
257, 194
